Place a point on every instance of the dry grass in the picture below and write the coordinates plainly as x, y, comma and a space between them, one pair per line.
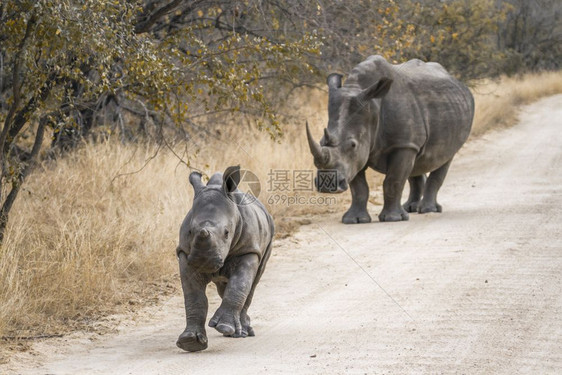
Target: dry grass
81, 242
98, 230
76, 239
497, 102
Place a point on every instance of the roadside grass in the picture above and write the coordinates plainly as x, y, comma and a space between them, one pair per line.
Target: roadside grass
96, 233
498, 101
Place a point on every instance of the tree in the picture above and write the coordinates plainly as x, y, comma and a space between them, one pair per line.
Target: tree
353, 30
459, 34
51, 50
485, 38
68, 66
532, 34
163, 69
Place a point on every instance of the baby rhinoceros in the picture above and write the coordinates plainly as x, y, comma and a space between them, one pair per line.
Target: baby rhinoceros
225, 238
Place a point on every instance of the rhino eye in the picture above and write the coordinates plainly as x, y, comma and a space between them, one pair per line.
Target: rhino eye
226, 232
353, 144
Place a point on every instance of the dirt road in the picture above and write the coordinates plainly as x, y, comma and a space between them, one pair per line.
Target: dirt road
474, 290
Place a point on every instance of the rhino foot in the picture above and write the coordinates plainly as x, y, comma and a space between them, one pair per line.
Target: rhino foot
192, 340
356, 217
247, 329
433, 207
387, 215
228, 323
411, 206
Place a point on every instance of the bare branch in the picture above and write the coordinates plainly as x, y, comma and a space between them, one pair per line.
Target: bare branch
149, 20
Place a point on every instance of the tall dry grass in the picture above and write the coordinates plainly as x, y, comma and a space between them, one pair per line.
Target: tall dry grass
498, 101
98, 230
79, 243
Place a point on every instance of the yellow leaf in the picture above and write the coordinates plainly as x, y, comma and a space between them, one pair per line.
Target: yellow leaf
57, 32
432, 38
455, 35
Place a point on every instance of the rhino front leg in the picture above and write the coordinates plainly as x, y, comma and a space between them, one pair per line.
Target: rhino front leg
227, 320
432, 186
400, 164
194, 337
357, 213
417, 184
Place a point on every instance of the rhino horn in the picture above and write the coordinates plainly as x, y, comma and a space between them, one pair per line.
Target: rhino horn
202, 239
328, 138
315, 147
320, 153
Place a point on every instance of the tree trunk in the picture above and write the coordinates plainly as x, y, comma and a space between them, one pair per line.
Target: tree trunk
16, 184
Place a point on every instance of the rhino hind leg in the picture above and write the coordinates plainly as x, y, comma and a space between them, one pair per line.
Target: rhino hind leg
400, 164
357, 213
417, 184
432, 186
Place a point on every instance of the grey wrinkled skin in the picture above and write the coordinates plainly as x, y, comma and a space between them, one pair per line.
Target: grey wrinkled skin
401, 120
227, 243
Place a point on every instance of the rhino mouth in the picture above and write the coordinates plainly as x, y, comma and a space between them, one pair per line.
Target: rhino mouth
331, 182
205, 264
208, 268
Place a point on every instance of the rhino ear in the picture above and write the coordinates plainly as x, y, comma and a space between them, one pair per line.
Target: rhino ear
377, 90
231, 178
334, 81
195, 180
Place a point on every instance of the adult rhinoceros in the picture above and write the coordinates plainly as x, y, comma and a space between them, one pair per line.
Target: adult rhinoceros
401, 120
